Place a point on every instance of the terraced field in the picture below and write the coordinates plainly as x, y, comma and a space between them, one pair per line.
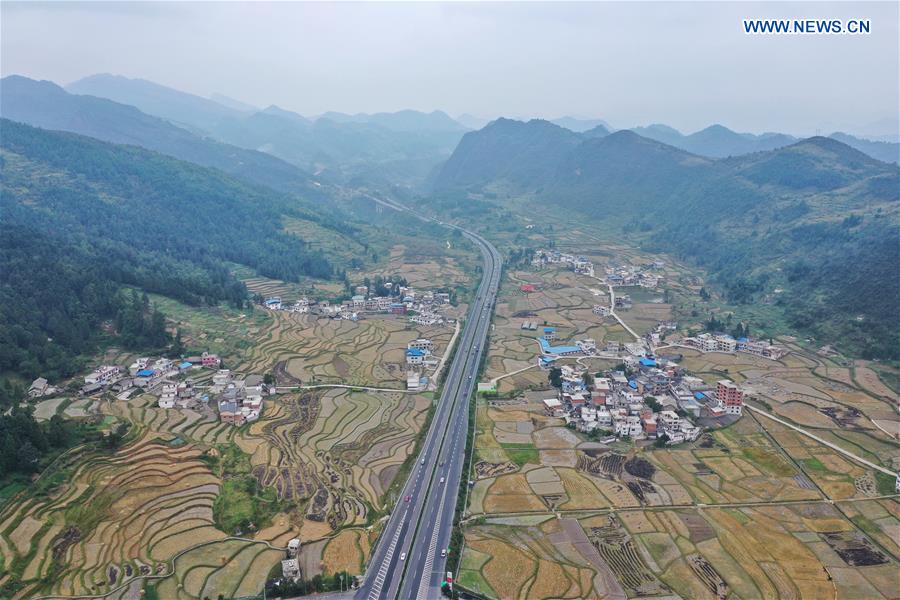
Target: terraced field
561, 299
517, 559
368, 352
777, 551
113, 517
340, 449
116, 517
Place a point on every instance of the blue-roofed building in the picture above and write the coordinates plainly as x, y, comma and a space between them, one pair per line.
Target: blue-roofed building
632, 384
647, 362
146, 373
546, 348
415, 356
185, 365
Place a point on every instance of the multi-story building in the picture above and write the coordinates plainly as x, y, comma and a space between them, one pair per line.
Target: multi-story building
414, 356
423, 344
729, 395
103, 374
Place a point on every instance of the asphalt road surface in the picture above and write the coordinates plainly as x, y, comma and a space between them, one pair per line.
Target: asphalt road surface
407, 561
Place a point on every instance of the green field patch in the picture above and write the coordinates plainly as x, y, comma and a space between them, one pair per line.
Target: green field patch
522, 454
242, 503
470, 576
769, 461
815, 465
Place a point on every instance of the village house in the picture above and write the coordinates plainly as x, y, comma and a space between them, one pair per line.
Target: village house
600, 310
588, 346
730, 396
168, 396
103, 375
38, 388
554, 407
210, 360
423, 344
222, 377
290, 568
413, 381
123, 384
90, 388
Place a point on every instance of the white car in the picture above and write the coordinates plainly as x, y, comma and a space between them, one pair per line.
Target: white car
442, 480
403, 556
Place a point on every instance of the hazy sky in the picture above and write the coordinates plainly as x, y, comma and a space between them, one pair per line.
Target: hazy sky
684, 64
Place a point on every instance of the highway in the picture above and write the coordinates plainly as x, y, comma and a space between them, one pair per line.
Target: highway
407, 561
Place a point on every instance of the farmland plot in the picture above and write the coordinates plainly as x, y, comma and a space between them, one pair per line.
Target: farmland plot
310, 349
512, 561
340, 449
115, 516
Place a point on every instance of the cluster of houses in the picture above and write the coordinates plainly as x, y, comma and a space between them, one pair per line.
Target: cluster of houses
628, 275
422, 307
620, 404
655, 336
577, 263
143, 373
419, 356
240, 400
720, 342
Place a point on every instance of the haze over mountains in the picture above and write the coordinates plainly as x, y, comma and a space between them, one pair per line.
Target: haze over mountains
44, 104
401, 147
406, 144
717, 141
760, 212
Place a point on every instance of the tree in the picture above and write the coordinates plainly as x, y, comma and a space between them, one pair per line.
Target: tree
653, 403
555, 377
116, 435
177, 346
269, 378
27, 456
661, 441
588, 380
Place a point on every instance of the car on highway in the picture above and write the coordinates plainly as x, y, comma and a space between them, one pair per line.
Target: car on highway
423, 461
403, 556
408, 498
442, 464
442, 480
443, 552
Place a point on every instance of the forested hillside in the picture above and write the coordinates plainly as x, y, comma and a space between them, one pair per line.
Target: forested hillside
817, 219
82, 218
